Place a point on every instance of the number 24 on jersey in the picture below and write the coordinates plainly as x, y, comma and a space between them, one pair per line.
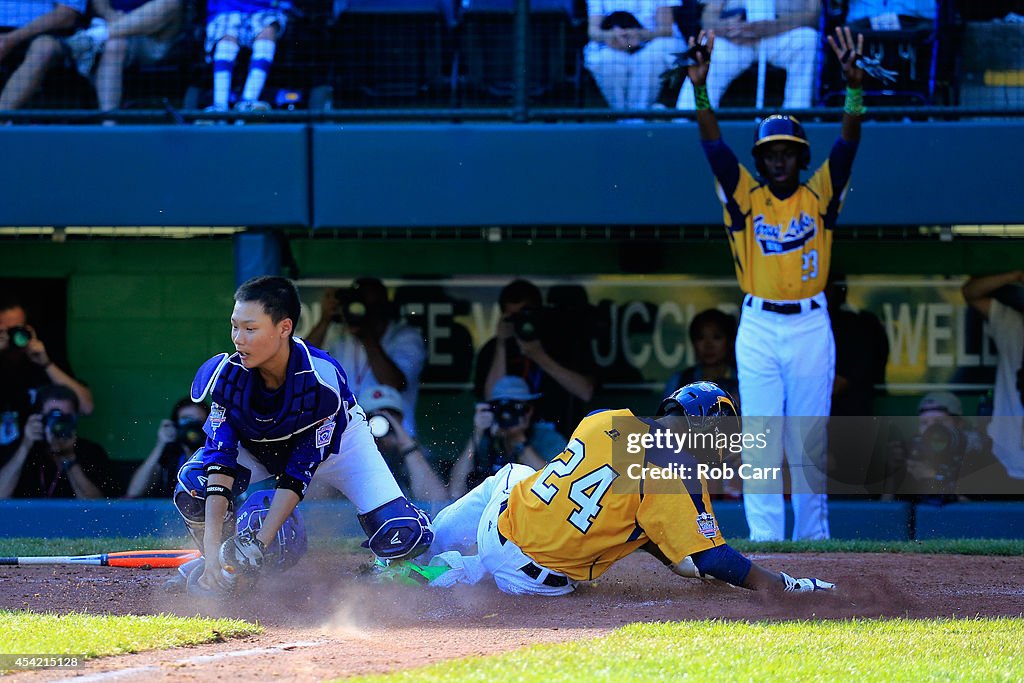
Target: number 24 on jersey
584, 492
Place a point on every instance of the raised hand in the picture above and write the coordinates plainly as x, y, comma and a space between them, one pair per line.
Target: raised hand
698, 72
166, 433
843, 46
483, 419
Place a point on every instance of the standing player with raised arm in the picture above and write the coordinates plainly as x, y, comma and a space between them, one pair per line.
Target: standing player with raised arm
282, 411
780, 231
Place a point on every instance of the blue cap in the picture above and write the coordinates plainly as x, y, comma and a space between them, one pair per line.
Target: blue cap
512, 388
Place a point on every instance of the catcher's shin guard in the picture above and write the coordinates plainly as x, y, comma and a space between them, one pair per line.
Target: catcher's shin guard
397, 529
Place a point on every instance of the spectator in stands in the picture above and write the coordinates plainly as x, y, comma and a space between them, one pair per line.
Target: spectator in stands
713, 335
1006, 327
504, 431
123, 32
555, 361
789, 35
889, 15
25, 365
22, 22
631, 44
177, 439
232, 25
52, 461
375, 347
406, 458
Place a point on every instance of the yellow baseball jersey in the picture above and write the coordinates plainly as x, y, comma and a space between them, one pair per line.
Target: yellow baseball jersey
781, 247
581, 514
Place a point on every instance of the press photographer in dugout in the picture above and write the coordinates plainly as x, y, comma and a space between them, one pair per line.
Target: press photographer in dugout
177, 438
27, 363
52, 460
927, 465
505, 430
407, 459
539, 344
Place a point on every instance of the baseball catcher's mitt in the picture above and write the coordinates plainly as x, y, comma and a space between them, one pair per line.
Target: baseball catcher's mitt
242, 557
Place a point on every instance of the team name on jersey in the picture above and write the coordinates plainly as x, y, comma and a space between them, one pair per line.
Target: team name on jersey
773, 239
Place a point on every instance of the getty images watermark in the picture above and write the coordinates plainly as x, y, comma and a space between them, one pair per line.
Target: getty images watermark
651, 458
667, 454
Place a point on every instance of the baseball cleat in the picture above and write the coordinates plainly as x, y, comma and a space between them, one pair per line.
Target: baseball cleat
405, 572
805, 585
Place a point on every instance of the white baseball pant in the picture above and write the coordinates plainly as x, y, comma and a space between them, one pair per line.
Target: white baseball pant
357, 470
473, 519
786, 366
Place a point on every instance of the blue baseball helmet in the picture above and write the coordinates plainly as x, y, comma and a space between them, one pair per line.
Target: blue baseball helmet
704, 404
781, 128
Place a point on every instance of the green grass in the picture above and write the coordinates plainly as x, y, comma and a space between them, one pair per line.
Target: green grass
861, 650
97, 635
25, 547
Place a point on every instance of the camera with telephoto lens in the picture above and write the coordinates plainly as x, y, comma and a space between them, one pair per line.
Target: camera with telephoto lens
61, 425
352, 310
943, 446
507, 414
190, 432
526, 324
19, 336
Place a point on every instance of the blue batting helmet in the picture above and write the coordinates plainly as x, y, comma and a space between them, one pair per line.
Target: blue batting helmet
782, 128
704, 404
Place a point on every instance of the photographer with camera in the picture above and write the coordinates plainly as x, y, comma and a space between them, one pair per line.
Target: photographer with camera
504, 431
52, 461
375, 347
555, 362
176, 440
405, 457
1006, 328
25, 365
927, 467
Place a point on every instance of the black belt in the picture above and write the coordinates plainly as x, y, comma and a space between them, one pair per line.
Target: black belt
532, 569
784, 309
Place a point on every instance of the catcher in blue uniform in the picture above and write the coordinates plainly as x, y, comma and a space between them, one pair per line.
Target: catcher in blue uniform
281, 412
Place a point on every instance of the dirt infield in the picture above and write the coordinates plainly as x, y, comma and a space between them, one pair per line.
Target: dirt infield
322, 621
